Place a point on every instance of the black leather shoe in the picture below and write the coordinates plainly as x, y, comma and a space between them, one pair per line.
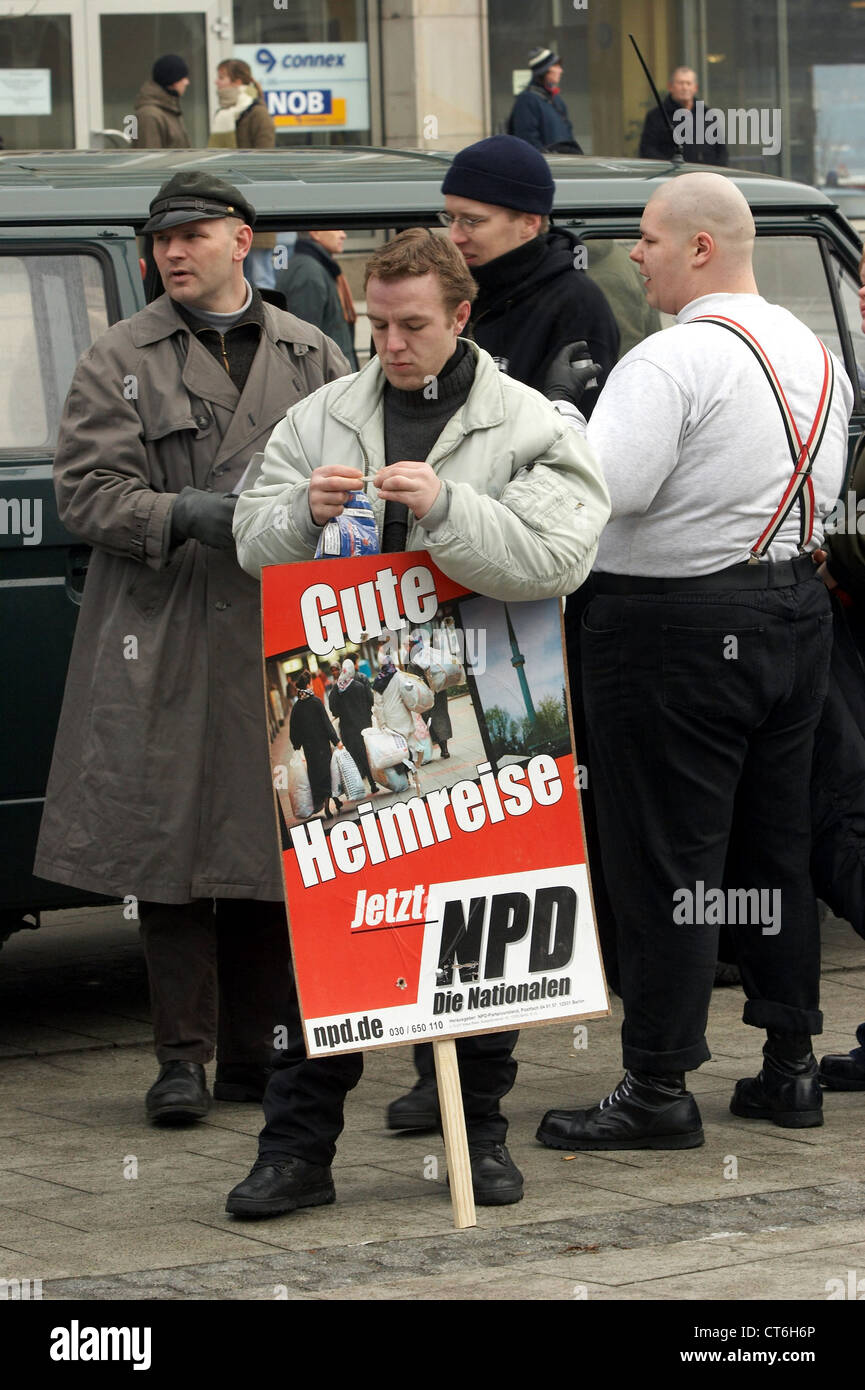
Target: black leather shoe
496, 1179
179, 1095
417, 1110
239, 1083
643, 1112
786, 1091
276, 1185
845, 1071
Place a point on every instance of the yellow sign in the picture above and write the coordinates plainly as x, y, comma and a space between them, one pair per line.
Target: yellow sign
335, 117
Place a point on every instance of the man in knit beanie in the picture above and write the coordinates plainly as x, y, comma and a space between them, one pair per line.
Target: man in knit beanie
539, 113
157, 106
533, 296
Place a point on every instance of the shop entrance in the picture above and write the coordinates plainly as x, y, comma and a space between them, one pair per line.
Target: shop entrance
69, 78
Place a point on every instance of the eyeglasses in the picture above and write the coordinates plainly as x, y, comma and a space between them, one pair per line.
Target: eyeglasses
468, 224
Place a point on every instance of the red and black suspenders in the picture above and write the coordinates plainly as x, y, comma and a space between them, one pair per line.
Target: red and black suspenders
800, 488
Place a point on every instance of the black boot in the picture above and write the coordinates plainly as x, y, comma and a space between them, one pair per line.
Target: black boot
281, 1184
787, 1089
417, 1110
496, 1179
845, 1071
643, 1112
179, 1095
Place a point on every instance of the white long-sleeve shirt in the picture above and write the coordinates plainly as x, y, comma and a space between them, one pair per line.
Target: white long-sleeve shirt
692, 444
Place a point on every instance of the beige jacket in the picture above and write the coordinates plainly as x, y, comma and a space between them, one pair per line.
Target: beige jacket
523, 500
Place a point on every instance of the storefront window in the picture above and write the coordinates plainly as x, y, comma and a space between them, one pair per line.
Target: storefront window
602, 82
36, 83
128, 40
312, 61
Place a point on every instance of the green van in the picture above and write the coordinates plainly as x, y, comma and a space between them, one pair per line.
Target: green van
69, 267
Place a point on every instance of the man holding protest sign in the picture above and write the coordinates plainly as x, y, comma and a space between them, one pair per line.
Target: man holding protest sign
481, 472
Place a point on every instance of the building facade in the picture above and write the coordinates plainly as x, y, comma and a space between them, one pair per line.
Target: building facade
441, 73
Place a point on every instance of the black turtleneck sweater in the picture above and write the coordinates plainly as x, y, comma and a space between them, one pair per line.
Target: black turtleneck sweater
413, 422
533, 301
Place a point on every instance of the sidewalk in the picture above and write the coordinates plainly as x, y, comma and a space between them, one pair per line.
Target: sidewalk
98, 1205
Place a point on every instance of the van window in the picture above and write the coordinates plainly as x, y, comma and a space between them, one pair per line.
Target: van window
51, 308
848, 293
789, 270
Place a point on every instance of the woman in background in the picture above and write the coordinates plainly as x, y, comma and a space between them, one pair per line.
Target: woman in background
311, 730
243, 122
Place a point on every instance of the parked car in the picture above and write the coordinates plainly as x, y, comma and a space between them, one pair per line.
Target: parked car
69, 267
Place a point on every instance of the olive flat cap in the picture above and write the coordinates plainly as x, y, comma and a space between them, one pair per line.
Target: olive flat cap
196, 197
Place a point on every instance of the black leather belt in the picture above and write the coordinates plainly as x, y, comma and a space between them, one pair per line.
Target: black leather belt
745, 576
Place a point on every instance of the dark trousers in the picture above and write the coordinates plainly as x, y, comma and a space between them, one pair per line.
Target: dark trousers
487, 1073
305, 1097
219, 975
701, 710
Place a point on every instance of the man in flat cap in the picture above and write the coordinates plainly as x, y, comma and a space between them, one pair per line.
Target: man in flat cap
159, 786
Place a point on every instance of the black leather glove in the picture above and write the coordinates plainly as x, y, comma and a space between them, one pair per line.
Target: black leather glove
204, 516
569, 373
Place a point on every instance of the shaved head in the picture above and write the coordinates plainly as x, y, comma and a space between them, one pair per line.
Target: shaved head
710, 203
696, 238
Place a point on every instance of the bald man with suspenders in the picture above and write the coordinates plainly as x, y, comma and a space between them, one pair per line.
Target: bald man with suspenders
705, 661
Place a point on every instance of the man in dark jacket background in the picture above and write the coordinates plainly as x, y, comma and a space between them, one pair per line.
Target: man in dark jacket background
532, 297
315, 288
157, 106
539, 113
657, 142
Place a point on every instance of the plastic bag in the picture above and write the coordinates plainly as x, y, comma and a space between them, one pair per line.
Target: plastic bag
299, 790
414, 693
384, 748
394, 778
344, 771
353, 532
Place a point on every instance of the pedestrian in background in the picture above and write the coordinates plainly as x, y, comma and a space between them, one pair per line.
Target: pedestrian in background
310, 729
243, 122
539, 113
657, 142
316, 289
157, 106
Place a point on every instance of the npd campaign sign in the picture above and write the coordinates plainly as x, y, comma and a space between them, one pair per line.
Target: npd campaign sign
312, 84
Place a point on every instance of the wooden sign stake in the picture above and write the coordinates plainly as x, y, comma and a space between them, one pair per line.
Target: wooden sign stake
454, 1128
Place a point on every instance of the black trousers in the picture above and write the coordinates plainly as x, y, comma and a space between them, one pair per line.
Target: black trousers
701, 710
305, 1097
219, 975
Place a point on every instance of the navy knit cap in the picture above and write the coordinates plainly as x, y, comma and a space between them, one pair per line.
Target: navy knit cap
169, 69
505, 171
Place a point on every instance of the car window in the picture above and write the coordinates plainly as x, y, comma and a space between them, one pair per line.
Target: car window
789, 270
848, 293
52, 307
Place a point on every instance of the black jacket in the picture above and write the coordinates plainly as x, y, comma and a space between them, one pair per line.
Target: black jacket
532, 301
656, 141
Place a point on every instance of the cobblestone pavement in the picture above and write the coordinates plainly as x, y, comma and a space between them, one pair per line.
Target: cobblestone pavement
98, 1205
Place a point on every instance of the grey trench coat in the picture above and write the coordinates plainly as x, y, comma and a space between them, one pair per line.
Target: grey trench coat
160, 783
